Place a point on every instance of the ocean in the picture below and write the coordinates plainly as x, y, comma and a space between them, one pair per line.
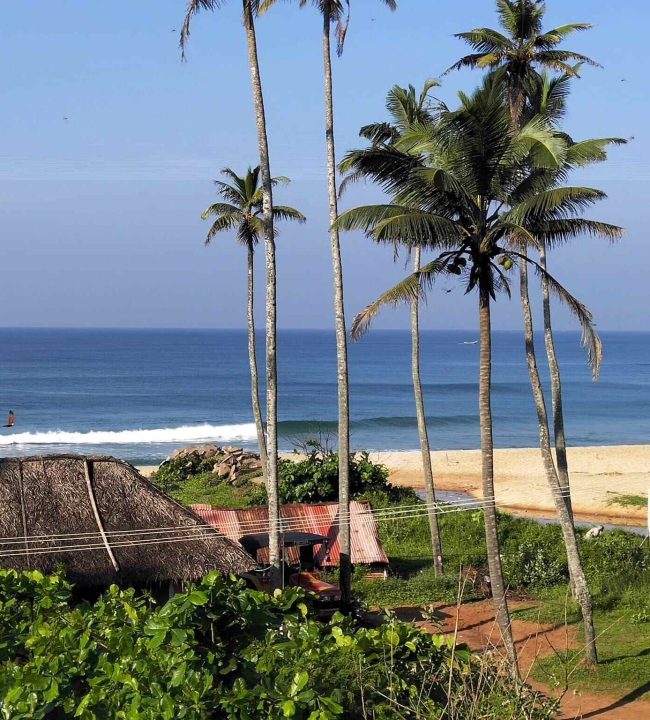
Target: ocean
139, 394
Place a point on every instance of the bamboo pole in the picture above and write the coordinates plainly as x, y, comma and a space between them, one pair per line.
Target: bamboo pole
23, 513
98, 520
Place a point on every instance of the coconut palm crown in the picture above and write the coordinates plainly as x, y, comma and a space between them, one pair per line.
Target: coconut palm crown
523, 44
242, 210
465, 186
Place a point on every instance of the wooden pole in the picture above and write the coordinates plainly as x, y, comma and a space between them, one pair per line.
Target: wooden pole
98, 520
23, 512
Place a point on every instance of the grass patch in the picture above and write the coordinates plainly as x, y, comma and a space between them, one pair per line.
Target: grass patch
204, 488
639, 501
617, 565
419, 588
624, 650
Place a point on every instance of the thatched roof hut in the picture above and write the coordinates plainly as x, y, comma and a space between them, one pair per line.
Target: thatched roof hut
105, 522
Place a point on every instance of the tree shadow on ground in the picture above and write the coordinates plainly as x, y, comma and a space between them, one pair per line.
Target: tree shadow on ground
609, 661
622, 702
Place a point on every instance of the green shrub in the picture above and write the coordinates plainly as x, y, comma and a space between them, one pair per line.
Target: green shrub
315, 477
615, 552
529, 564
172, 474
218, 651
222, 652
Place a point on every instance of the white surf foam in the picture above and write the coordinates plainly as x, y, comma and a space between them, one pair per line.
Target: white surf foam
188, 433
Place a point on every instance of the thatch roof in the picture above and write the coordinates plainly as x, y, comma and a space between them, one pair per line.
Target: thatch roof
105, 522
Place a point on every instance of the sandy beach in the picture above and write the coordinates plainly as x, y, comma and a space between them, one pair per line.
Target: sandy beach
598, 474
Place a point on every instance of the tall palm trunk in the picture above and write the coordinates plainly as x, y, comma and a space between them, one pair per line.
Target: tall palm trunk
275, 550
487, 456
581, 590
540, 402
252, 360
516, 100
432, 510
556, 391
341, 338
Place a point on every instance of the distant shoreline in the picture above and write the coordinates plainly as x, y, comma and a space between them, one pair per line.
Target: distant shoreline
599, 474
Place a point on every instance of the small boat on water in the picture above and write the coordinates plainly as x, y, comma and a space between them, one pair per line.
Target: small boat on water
470, 342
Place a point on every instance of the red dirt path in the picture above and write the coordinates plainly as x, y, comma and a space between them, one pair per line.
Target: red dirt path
476, 627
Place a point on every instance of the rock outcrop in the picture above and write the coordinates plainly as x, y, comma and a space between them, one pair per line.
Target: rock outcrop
231, 464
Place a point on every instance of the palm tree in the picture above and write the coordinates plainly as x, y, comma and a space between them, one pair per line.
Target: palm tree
516, 55
334, 13
524, 45
241, 212
425, 448
250, 8
408, 110
453, 184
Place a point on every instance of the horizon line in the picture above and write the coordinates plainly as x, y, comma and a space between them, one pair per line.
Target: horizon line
156, 328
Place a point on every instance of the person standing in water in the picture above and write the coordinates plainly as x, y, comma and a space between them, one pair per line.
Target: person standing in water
11, 419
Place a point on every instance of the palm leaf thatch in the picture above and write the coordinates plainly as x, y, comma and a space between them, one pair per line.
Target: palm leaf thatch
105, 523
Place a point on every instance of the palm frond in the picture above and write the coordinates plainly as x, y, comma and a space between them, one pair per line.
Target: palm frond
467, 61
590, 151
222, 224
366, 217
266, 5
546, 148
283, 212
551, 38
507, 16
485, 40
349, 179
419, 228
249, 232
228, 192
280, 180
590, 339
555, 203
217, 209
193, 8
520, 237
380, 132
407, 291
555, 232
559, 59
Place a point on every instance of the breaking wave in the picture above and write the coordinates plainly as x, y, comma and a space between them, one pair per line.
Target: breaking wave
188, 433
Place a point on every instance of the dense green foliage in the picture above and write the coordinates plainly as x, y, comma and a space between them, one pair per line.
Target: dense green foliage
173, 473
311, 477
220, 651
191, 479
533, 557
314, 477
617, 565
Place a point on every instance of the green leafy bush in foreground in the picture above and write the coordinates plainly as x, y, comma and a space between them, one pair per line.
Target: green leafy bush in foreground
220, 651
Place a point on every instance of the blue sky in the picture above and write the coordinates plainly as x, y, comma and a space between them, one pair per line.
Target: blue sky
100, 212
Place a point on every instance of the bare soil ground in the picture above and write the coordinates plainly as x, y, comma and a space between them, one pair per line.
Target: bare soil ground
475, 625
